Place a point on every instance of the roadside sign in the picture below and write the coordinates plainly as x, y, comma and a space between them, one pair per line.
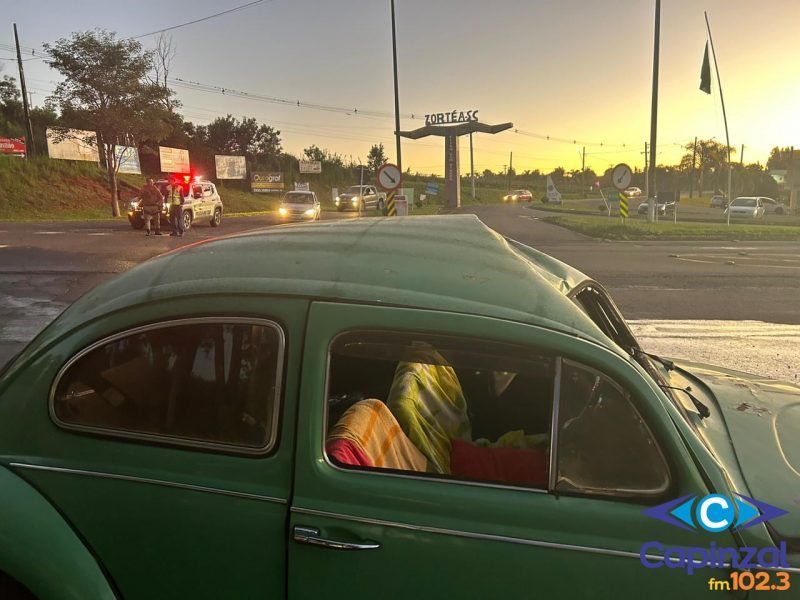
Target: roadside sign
623, 207
391, 207
389, 177
264, 182
301, 187
401, 204
310, 166
12, 146
621, 176
432, 188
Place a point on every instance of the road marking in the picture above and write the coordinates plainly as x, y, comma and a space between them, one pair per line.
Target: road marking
48, 232
528, 217
752, 260
100, 233
3, 245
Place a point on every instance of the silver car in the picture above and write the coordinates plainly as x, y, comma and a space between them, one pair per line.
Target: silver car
299, 206
749, 207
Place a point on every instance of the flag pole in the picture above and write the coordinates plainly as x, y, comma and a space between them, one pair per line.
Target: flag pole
724, 117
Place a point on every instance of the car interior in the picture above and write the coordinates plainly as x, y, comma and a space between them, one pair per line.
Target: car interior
475, 410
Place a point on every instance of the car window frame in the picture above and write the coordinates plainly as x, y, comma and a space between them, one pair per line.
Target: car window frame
175, 441
558, 360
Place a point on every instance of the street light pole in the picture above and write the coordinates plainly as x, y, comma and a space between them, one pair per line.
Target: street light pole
396, 95
651, 174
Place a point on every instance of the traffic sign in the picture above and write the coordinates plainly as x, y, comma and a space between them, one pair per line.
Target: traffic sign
623, 207
621, 177
389, 177
391, 207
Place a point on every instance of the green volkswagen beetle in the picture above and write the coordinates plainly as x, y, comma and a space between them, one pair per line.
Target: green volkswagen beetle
382, 408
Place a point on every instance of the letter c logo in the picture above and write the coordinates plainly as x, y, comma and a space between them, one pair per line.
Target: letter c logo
715, 513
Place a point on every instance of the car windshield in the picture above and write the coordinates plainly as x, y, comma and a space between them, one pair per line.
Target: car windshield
298, 198
353, 189
749, 202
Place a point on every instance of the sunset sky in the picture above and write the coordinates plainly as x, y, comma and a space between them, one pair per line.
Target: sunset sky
572, 69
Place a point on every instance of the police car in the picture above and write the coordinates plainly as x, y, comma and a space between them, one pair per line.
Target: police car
201, 203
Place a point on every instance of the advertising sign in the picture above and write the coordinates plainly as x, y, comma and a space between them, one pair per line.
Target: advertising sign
230, 167
72, 144
128, 160
432, 188
310, 166
12, 146
263, 182
173, 160
302, 187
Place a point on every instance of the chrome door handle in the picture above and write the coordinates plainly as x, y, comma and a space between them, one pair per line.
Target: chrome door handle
310, 535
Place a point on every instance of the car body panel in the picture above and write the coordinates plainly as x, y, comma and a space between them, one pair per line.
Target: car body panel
749, 212
40, 550
762, 422
434, 527
205, 512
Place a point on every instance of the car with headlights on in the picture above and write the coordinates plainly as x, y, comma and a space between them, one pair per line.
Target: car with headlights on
519, 196
299, 206
633, 192
747, 207
372, 398
361, 198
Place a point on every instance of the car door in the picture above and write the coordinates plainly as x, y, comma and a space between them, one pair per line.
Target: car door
483, 525
169, 445
370, 198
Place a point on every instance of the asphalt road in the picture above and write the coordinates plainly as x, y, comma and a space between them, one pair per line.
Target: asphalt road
736, 304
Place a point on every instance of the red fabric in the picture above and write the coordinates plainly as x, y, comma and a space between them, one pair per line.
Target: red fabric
347, 453
501, 465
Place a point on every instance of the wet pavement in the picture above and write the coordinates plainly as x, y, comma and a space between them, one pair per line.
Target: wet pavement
732, 304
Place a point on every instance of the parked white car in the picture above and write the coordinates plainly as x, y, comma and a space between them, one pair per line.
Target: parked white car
749, 207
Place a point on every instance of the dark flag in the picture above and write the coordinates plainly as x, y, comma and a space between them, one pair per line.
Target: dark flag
705, 73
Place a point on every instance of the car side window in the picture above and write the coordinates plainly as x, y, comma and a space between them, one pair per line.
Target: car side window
604, 445
481, 411
207, 190
207, 382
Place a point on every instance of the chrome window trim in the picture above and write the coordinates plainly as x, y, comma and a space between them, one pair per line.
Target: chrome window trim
149, 481
553, 464
386, 472
471, 534
175, 440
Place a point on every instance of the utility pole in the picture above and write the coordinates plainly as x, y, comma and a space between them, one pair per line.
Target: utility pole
396, 95
29, 148
691, 175
472, 165
646, 176
741, 156
651, 175
510, 168
792, 186
583, 171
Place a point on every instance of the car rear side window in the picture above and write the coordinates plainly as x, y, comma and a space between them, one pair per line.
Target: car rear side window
475, 410
208, 382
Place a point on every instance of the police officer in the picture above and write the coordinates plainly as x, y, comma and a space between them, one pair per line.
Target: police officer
175, 199
152, 202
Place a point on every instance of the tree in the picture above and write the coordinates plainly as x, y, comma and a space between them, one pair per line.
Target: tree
314, 153
781, 158
162, 57
8, 90
107, 89
261, 143
710, 158
376, 157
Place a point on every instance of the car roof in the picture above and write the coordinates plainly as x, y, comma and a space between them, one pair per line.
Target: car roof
450, 263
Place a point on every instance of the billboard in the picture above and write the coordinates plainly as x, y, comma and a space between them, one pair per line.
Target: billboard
128, 159
12, 146
72, 144
262, 182
310, 166
173, 160
230, 167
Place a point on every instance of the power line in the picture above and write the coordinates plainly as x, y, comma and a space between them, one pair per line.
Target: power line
214, 16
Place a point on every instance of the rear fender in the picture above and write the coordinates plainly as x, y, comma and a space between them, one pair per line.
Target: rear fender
40, 550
